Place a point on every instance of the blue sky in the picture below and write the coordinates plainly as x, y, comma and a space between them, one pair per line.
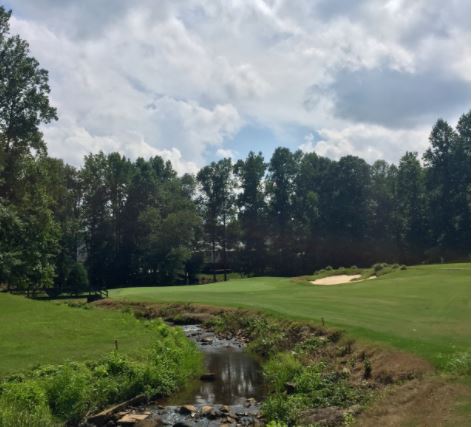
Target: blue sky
197, 80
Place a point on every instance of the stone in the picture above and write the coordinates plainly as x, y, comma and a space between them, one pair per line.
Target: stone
209, 376
208, 412
188, 410
102, 417
225, 409
148, 423
132, 419
290, 388
250, 402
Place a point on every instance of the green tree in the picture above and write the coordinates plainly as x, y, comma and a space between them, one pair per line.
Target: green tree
280, 187
30, 235
77, 279
411, 220
24, 106
252, 211
217, 206
382, 209
448, 182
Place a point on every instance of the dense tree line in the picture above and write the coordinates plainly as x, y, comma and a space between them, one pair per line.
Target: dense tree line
120, 222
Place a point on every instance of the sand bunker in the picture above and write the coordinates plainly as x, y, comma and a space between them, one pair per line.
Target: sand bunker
336, 280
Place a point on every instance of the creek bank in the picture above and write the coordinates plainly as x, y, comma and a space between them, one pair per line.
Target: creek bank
313, 374
229, 391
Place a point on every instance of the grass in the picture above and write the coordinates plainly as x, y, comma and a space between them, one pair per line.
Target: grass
36, 332
424, 309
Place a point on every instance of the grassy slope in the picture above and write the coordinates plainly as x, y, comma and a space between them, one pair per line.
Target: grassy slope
35, 332
425, 309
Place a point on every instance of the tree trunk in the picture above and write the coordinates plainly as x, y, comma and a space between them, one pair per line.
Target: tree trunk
224, 248
213, 257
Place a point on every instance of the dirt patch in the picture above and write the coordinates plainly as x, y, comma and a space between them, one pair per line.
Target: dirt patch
390, 366
428, 402
336, 280
184, 314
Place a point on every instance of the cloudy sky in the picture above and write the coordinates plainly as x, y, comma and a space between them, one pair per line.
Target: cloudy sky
194, 81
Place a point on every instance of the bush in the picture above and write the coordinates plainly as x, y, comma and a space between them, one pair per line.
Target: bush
379, 267
71, 390
285, 409
24, 404
281, 369
459, 364
78, 278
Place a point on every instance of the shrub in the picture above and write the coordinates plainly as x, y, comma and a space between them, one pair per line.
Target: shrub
78, 278
459, 364
24, 404
280, 370
71, 390
379, 267
282, 408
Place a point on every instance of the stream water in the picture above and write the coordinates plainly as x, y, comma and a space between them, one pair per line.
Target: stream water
228, 393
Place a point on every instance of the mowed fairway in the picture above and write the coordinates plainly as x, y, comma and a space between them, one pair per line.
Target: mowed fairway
424, 309
37, 332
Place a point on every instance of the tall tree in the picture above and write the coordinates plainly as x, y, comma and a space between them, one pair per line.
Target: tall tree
24, 105
349, 210
410, 198
448, 177
217, 201
282, 171
29, 236
252, 211
382, 211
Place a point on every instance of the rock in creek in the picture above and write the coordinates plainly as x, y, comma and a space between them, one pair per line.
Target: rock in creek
209, 376
188, 410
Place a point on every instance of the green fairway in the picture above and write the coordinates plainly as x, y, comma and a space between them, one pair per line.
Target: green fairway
36, 332
424, 309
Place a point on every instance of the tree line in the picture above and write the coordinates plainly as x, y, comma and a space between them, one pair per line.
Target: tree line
117, 222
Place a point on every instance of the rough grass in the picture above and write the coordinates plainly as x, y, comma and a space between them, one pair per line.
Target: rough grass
65, 393
424, 309
35, 332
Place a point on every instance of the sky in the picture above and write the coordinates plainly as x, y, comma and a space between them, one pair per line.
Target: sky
196, 81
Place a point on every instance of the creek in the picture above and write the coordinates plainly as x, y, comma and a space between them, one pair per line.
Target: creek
229, 392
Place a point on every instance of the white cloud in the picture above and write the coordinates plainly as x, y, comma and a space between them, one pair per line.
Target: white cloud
225, 153
181, 78
367, 141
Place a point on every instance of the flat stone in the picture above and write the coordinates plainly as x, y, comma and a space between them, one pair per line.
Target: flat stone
102, 417
188, 409
225, 409
132, 418
148, 423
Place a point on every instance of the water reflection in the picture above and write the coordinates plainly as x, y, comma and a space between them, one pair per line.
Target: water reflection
238, 375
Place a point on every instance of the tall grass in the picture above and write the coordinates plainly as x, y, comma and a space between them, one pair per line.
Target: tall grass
51, 395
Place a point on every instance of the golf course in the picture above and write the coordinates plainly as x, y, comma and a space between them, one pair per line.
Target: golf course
424, 309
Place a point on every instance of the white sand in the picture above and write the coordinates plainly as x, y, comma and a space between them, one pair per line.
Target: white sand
336, 280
